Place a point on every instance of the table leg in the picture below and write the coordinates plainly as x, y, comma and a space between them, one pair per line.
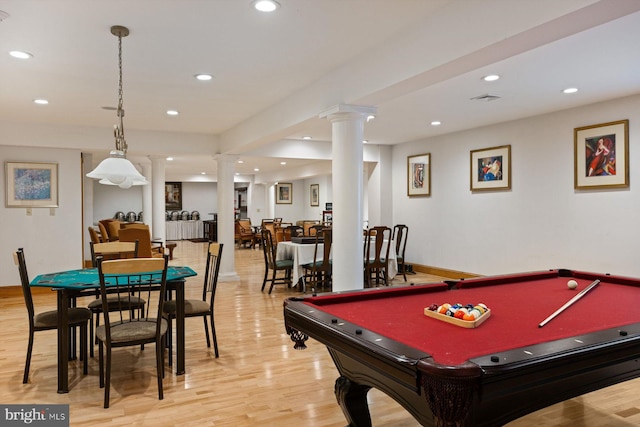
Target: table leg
352, 398
63, 341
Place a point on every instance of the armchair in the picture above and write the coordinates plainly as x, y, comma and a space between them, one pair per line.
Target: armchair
143, 237
244, 233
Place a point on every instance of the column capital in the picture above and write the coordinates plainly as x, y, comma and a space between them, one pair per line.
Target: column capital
349, 110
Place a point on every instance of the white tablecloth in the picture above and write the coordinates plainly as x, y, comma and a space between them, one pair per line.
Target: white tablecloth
302, 254
184, 230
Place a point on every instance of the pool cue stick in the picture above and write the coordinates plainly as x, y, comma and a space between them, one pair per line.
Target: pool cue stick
571, 301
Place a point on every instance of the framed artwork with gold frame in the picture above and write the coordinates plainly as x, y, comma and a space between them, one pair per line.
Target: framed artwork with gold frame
284, 193
419, 175
601, 156
491, 169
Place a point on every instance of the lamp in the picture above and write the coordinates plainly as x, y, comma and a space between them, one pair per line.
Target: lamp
116, 169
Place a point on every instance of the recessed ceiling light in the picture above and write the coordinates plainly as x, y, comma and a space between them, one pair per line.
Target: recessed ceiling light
570, 90
20, 55
436, 123
364, 141
283, 163
203, 173
306, 137
169, 159
256, 170
240, 161
172, 113
266, 5
491, 78
41, 101
203, 77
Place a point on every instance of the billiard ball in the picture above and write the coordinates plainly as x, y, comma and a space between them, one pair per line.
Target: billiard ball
572, 284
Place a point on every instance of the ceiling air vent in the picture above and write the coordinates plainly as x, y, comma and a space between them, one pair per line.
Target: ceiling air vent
486, 97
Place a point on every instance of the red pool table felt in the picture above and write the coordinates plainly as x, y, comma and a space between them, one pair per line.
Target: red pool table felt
517, 306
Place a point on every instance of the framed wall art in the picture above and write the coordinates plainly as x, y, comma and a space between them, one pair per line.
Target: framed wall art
315, 194
419, 175
173, 196
601, 155
284, 193
31, 185
491, 169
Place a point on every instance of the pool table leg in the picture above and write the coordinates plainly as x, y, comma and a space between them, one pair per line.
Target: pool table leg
352, 398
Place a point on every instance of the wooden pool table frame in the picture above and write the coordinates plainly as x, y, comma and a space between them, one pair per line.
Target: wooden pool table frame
479, 392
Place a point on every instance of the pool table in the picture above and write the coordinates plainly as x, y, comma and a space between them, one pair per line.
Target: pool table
507, 366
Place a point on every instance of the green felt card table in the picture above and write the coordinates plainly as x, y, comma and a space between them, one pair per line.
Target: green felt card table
72, 284
507, 367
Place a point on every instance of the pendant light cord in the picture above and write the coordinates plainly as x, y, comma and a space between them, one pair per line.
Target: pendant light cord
121, 143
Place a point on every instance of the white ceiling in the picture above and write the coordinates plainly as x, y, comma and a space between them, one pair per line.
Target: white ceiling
415, 60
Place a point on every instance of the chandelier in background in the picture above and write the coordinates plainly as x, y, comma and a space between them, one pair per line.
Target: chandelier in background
116, 169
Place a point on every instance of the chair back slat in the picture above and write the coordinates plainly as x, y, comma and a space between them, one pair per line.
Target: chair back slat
113, 250
211, 270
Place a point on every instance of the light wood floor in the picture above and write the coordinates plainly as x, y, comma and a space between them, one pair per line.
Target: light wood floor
259, 379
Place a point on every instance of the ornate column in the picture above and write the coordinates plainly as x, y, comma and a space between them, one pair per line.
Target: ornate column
347, 123
157, 196
226, 217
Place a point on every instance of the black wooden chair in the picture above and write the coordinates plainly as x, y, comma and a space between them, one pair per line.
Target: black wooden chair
128, 278
48, 320
110, 250
319, 271
400, 233
200, 307
376, 255
274, 265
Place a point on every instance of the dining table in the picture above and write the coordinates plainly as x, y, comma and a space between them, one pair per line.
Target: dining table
72, 284
302, 254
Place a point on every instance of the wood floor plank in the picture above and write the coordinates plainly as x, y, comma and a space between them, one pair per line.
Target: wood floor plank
259, 379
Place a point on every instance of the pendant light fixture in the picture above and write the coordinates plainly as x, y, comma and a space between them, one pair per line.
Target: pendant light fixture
116, 169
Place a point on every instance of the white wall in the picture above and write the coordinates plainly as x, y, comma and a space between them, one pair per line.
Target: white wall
201, 197
109, 199
51, 242
542, 222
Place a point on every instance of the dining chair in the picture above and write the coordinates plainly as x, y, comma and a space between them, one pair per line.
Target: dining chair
314, 229
244, 233
48, 320
108, 251
200, 307
294, 231
400, 233
112, 228
319, 271
274, 265
143, 236
104, 234
95, 237
129, 278
376, 255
